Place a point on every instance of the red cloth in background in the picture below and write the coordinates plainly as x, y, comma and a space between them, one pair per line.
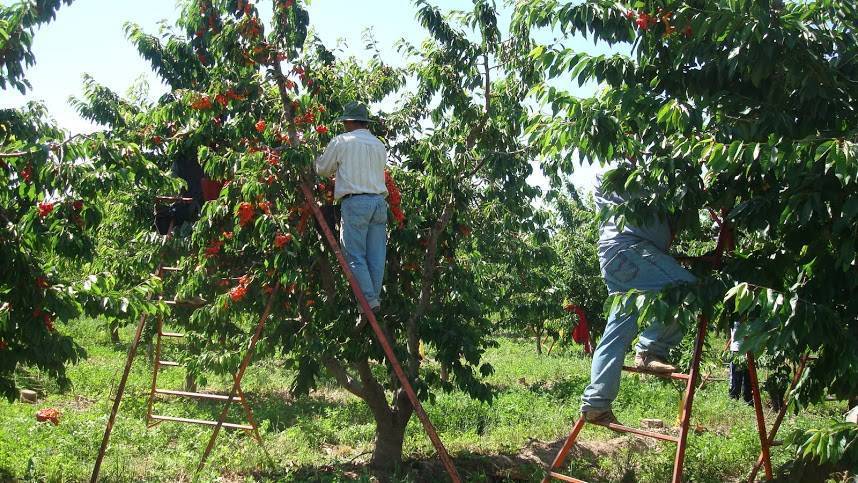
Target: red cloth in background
581, 333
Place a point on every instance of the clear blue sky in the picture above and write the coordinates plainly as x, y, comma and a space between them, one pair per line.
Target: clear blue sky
87, 37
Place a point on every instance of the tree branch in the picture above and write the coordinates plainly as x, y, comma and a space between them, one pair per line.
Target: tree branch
479, 128
402, 407
344, 378
426, 278
374, 392
51, 146
488, 85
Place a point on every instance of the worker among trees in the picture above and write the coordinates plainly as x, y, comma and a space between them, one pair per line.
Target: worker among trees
740, 375
631, 256
358, 160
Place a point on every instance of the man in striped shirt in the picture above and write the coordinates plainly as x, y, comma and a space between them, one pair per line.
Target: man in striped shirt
358, 160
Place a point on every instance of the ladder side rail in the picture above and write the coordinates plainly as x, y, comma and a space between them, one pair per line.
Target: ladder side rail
758, 412
155, 368
685, 416
567, 446
132, 352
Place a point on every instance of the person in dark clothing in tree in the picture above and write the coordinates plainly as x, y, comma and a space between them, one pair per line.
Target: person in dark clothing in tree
186, 167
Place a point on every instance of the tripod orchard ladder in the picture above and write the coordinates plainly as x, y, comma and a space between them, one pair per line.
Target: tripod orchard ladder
228, 399
685, 417
726, 242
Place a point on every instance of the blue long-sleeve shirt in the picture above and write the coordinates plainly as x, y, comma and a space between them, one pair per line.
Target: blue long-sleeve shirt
657, 230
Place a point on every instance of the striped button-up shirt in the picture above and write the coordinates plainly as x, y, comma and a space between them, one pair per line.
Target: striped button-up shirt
358, 159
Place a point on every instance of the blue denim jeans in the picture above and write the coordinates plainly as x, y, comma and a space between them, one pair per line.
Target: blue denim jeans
627, 266
364, 240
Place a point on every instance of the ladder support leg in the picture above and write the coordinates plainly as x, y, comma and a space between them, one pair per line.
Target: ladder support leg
249, 413
761, 420
132, 352
780, 417
685, 416
240, 374
567, 446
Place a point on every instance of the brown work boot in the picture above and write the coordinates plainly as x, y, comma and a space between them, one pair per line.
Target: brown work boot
602, 417
650, 363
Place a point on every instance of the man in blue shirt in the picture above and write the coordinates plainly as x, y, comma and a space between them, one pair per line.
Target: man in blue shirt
631, 257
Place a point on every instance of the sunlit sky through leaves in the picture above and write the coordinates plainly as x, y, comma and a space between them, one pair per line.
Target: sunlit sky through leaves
88, 37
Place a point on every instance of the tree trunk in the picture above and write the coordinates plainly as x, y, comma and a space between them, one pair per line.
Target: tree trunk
538, 334
445, 373
114, 335
190, 382
389, 437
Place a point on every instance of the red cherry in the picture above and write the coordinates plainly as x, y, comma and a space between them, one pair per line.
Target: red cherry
214, 248
281, 240
237, 293
644, 21
260, 126
45, 209
245, 213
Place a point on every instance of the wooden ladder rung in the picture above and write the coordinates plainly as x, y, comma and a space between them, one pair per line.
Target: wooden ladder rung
186, 303
640, 432
562, 477
169, 364
200, 395
174, 199
171, 334
203, 422
672, 375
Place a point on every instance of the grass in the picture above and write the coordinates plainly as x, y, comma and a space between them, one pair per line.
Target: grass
315, 437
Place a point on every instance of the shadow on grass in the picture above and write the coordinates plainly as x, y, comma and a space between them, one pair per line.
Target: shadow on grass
563, 389
281, 411
526, 466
